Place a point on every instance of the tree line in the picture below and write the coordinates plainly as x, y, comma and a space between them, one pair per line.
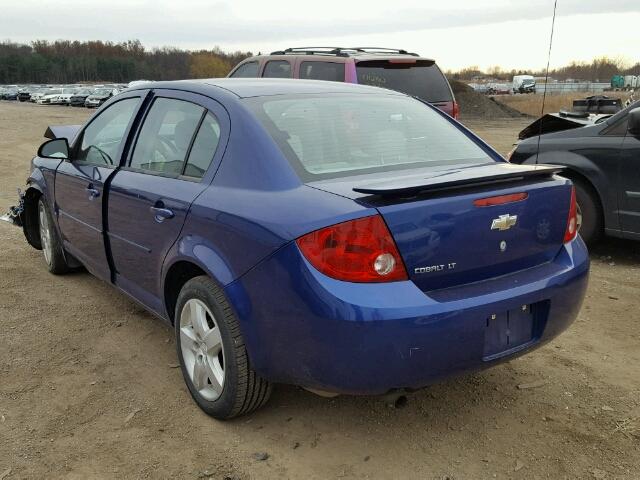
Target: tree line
65, 61
598, 70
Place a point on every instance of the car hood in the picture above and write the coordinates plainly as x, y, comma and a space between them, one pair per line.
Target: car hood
562, 125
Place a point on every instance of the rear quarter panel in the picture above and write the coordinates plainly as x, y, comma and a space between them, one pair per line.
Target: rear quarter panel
254, 205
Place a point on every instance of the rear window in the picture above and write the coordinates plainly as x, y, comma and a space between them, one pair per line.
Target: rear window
422, 79
342, 135
333, 72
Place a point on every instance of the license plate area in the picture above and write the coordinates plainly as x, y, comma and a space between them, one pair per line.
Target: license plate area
510, 331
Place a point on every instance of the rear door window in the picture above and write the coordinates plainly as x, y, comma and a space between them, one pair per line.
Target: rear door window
246, 70
420, 78
277, 69
333, 72
204, 147
165, 136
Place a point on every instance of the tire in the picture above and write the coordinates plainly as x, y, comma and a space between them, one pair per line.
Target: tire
591, 226
50, 241
215, 366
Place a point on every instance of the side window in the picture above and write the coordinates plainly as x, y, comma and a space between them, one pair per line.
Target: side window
248, 70
618, 129
204, 147
333, 72
101, 140
166, 135
277, 69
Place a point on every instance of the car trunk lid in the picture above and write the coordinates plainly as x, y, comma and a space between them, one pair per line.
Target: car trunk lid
454, 226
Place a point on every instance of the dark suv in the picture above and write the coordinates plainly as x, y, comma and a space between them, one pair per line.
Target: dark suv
381, 67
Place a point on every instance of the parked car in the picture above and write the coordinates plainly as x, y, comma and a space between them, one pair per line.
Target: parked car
79, 97
361, 242
9, 92
37, 93
524, 84
65, 97
53, 96
380, 67
99, 96
603, 161
24, 94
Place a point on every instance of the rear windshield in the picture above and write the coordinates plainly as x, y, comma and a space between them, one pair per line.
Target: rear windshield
422, 79
342, 135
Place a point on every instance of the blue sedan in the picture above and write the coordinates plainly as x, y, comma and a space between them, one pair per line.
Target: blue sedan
343, 238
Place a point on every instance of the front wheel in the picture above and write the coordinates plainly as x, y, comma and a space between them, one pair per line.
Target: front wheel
50, 241
590, 218
212, 354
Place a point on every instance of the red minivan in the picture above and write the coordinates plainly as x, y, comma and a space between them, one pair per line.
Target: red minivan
381, 67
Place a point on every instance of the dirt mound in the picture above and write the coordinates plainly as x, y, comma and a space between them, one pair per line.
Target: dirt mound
473, 104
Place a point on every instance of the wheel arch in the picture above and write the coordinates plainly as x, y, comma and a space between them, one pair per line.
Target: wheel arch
575, 175
30, 224
584, 170
178, 274
191, 256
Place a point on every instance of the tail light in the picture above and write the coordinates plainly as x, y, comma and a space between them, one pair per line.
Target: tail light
359, 250
572, 222
456, 110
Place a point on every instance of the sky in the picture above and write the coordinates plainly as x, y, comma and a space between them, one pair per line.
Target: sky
456, 33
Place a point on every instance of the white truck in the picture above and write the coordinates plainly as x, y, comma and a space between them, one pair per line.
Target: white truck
631, 81
524, 84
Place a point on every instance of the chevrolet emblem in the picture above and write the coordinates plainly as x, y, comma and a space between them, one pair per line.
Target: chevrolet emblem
504, 222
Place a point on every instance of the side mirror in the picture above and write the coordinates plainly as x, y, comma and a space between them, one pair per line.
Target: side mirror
634, 121
56, 148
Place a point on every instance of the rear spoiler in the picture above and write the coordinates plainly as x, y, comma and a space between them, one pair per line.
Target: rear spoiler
460, 178
62, 131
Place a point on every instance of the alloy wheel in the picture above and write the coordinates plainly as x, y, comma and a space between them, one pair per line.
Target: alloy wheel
201, 346
45, 233
578, 217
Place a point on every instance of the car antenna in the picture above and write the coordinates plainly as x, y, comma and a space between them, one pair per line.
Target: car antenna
546, 77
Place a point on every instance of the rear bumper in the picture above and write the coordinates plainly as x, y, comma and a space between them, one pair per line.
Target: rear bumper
304, 328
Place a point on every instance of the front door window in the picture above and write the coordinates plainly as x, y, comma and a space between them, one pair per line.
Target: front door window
101, 140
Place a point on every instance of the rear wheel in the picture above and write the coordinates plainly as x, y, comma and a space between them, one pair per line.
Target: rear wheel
590, 218
212, 355
50, 241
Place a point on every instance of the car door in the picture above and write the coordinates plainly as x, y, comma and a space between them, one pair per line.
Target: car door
150, 196
629, 191
79, 182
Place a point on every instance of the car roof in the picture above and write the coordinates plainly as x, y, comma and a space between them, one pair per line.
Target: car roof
259, 87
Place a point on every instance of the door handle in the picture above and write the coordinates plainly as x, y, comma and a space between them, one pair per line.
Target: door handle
93, 192
161, 214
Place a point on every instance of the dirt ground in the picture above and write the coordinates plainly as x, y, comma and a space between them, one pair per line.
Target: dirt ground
89, 388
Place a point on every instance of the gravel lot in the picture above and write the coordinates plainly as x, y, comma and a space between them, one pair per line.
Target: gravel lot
89, 388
